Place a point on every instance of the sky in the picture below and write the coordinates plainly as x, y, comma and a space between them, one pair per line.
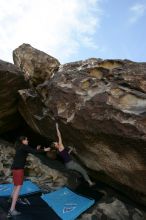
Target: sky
72, 30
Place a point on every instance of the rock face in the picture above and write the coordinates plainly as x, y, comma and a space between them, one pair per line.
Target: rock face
101, 109
11, 80
37, 65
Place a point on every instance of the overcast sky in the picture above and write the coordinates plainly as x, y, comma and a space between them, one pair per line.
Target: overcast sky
71, 30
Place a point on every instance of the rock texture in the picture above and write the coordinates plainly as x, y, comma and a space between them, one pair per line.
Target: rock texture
11, 80
101, 109
37, 65
112, 208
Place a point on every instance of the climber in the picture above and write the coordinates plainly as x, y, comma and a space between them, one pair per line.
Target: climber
22, 150
65, 155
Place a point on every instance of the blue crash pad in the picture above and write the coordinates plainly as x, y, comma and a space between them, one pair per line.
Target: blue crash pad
67, 204
27, 188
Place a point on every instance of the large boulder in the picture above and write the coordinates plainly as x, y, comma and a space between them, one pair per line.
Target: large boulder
37, 65
101, 109
11, 80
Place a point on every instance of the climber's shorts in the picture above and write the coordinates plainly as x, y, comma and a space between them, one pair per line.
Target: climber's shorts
18, 176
